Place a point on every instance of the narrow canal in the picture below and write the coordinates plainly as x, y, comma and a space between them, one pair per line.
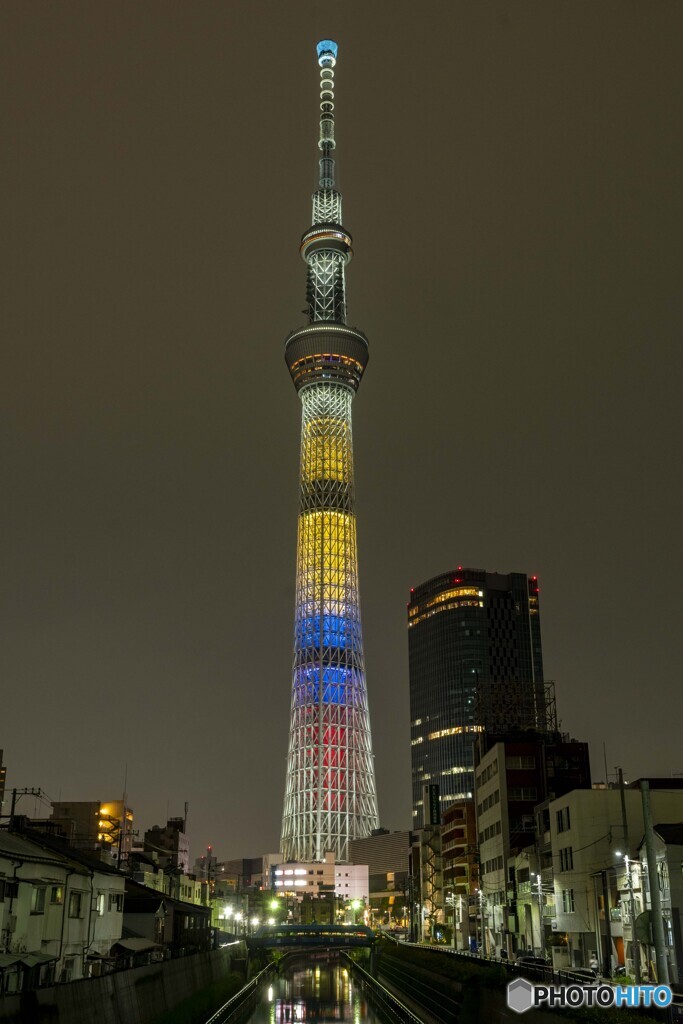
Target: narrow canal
313, 990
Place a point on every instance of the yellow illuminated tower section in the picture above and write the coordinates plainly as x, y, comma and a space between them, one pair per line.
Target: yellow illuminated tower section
330, 790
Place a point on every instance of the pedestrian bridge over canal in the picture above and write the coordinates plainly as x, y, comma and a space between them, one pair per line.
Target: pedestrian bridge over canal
293, 936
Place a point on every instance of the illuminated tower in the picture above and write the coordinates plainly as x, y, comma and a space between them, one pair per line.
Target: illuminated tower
330, 792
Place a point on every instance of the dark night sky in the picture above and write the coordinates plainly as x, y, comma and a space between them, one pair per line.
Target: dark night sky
511, 175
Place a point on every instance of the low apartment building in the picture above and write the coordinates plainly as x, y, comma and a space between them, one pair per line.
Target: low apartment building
668, 846
587, 847
512, 777
61, 911
96, 825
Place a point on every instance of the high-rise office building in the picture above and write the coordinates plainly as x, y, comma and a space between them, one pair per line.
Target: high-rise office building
330, 786
475, 663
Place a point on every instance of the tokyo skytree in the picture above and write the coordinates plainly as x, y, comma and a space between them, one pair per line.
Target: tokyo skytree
330, 791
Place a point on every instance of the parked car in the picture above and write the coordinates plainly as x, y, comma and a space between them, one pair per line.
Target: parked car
532, 961
584, 975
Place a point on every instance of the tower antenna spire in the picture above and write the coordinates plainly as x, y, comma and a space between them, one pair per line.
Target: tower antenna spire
326, 246
327, 58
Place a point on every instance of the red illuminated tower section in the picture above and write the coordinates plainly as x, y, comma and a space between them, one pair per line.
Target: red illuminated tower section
330, 790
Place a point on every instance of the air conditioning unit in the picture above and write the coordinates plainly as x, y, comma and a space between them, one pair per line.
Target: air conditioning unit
553, 924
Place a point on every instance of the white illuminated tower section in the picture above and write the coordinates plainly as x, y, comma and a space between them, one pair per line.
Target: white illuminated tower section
330, 794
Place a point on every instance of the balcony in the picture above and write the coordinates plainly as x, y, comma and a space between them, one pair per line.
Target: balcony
455, 844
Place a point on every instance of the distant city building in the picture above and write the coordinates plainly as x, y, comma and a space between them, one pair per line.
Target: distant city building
170, 843
474, 645
243, 873
387, 856
322, 879
426, 870
97, 824
460, 849
206, 866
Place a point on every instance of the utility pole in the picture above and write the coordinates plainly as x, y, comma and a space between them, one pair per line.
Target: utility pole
16, 793
655, 895
541, 922
635, 944
607, 955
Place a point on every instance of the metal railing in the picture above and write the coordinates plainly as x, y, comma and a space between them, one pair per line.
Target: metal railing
242, 1000
535, 971
390, 1008
432, 994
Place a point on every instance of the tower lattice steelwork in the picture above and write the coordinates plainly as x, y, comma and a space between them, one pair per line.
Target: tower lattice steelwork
330, 793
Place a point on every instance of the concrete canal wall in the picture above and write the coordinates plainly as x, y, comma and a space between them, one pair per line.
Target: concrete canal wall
141, 995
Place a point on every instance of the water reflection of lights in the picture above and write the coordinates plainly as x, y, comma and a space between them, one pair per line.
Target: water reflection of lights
314, 994
289, 1012
270, 993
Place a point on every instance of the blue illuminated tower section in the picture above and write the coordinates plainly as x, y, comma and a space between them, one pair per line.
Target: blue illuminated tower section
330, 793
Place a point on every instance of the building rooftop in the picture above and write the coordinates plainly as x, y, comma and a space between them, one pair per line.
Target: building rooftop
672, 834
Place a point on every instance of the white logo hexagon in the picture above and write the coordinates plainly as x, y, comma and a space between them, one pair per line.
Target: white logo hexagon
520, 995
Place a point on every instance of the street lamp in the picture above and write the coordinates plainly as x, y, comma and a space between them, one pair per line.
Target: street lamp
355, 907
481, 900
450, 901
541, 929
635, 945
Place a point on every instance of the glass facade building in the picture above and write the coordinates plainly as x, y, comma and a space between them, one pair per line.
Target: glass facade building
475, 663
